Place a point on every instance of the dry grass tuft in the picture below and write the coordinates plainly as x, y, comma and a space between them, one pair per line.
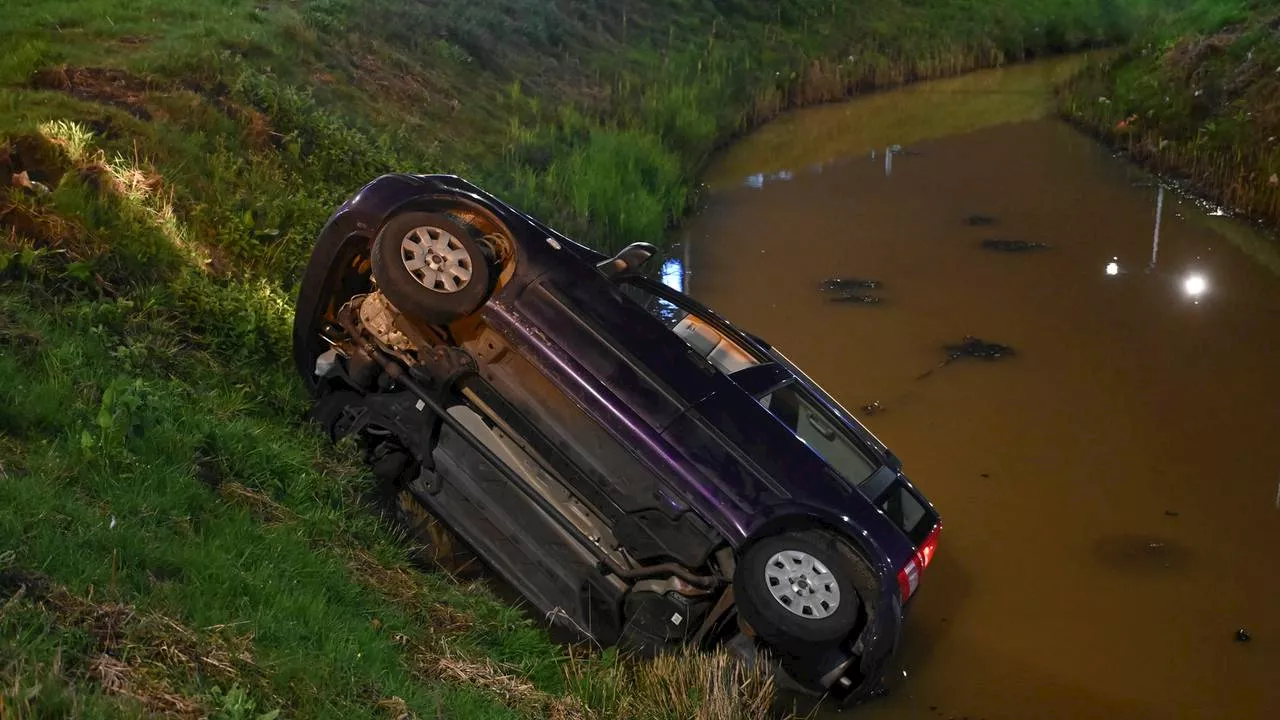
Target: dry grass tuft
134, 654
402, 587
395, 708
258, 504
436, 662
684, 685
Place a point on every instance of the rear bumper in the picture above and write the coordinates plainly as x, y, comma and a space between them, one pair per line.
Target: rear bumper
880, 642
854, 670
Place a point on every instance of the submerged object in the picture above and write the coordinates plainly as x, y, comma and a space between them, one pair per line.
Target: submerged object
856, 298
848, 284
973, 347
1003, 245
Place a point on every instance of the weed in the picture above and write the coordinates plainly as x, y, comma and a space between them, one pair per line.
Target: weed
236, 704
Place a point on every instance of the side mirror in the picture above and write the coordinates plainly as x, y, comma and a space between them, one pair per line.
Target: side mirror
627, 260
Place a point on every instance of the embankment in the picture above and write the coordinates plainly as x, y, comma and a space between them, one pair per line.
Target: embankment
1196, 98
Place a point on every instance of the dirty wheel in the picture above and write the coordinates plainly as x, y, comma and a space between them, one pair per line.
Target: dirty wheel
800, 586
430, 267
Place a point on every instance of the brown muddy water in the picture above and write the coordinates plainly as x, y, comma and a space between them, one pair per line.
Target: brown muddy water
1111, 493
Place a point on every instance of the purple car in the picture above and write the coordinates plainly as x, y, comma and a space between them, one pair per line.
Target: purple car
643, 472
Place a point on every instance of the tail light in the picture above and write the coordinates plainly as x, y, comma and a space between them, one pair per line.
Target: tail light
909, 575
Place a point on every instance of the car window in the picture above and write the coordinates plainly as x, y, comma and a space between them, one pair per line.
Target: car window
815, 428
659, 307
697, 332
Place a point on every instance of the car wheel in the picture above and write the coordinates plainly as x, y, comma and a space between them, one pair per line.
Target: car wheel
800, 586
429, 267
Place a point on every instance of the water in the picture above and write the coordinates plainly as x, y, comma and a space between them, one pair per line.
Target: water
1111, 493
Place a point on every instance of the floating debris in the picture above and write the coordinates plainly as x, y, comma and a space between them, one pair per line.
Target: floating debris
1243, 635
979, 220
845, 284
856, 298
974, 347
1002, 245
970, 346
871, 408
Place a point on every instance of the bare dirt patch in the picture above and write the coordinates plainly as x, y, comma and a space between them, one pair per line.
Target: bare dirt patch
111, 86
41, 160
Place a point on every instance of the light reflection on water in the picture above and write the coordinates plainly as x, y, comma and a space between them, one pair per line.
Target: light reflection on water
673, 274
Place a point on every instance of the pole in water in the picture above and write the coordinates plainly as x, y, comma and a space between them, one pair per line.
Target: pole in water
888, 162
1155, 239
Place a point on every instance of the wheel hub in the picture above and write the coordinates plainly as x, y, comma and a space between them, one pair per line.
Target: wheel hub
436, 259
802, 584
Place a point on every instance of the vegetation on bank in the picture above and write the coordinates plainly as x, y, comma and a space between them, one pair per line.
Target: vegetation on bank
173, 537
1197, 98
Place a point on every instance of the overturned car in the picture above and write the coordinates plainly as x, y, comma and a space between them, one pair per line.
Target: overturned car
643, 472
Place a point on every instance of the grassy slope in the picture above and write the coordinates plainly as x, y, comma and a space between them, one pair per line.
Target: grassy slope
1198, 97
172, 537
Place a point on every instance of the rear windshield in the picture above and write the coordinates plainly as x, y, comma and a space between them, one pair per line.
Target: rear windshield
815, 428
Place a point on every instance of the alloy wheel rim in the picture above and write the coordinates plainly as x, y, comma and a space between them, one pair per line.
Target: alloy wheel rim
436, 259
802, 584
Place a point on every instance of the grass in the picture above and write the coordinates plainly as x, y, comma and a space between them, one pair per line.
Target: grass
1195, 98
173, 537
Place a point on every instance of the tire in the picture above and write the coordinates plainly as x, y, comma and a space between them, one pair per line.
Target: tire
826, 607
405, 255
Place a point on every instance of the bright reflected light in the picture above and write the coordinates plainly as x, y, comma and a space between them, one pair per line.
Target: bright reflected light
1113, 268
673, 274
1194, 285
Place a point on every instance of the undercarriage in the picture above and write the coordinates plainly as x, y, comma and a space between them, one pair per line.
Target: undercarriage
449, 426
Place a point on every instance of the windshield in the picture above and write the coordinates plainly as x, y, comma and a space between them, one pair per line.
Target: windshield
807, 421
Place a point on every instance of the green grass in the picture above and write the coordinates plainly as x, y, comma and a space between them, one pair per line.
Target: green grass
182, 535
1195, 98
107, 497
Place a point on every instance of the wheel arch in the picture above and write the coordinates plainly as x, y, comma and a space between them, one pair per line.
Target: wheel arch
341, 242
863, 545
465, 210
